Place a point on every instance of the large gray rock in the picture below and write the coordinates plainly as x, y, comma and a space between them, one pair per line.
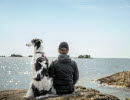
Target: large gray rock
118, 79
81, 93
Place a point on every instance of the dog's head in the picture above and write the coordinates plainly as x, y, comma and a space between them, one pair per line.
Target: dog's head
35, 42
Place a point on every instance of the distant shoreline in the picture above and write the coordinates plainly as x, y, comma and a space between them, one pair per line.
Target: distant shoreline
71, 57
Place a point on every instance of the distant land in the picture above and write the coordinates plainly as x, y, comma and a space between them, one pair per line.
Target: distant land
84, 56
30, 56
2, 56
19, 55
16, 55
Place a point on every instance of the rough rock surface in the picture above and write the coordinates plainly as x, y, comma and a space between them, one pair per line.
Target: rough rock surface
81, 93
118, 79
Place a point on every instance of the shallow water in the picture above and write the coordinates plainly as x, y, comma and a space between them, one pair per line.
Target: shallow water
15, 73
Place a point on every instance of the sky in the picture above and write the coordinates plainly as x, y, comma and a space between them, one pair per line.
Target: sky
100, 28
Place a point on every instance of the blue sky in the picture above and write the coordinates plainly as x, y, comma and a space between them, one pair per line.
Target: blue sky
96, 27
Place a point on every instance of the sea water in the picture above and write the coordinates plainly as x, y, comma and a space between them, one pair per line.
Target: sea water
16, 73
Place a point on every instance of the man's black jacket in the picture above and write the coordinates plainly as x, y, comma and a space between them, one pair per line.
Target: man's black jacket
65, 73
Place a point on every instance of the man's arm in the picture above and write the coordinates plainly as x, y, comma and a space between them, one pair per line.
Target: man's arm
51, 70
76, 73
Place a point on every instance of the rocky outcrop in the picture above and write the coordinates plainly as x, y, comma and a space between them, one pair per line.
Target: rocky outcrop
118, 79
84, 56
81, 93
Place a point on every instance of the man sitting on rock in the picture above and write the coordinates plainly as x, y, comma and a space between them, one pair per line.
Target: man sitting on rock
64, 71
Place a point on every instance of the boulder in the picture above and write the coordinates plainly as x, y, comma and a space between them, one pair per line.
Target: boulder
118, 79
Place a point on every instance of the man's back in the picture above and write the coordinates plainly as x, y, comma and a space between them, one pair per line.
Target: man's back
65, 74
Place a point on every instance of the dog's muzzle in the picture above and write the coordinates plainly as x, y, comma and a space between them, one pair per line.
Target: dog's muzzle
29, 44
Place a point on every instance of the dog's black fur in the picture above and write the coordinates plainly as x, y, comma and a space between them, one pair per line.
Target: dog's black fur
37, 93
37, 43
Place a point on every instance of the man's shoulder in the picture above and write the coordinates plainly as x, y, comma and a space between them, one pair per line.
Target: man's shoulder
73, 61
54, 62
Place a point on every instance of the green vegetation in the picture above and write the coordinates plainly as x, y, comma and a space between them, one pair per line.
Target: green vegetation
30, 56
2, 56
16, 55
84, 56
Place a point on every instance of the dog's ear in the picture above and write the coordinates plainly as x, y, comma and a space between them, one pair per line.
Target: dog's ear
41, 41
37, 43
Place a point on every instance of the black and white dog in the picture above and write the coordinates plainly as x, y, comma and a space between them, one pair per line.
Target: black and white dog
40, 84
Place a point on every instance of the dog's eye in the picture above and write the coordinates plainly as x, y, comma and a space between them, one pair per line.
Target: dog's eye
33, 41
